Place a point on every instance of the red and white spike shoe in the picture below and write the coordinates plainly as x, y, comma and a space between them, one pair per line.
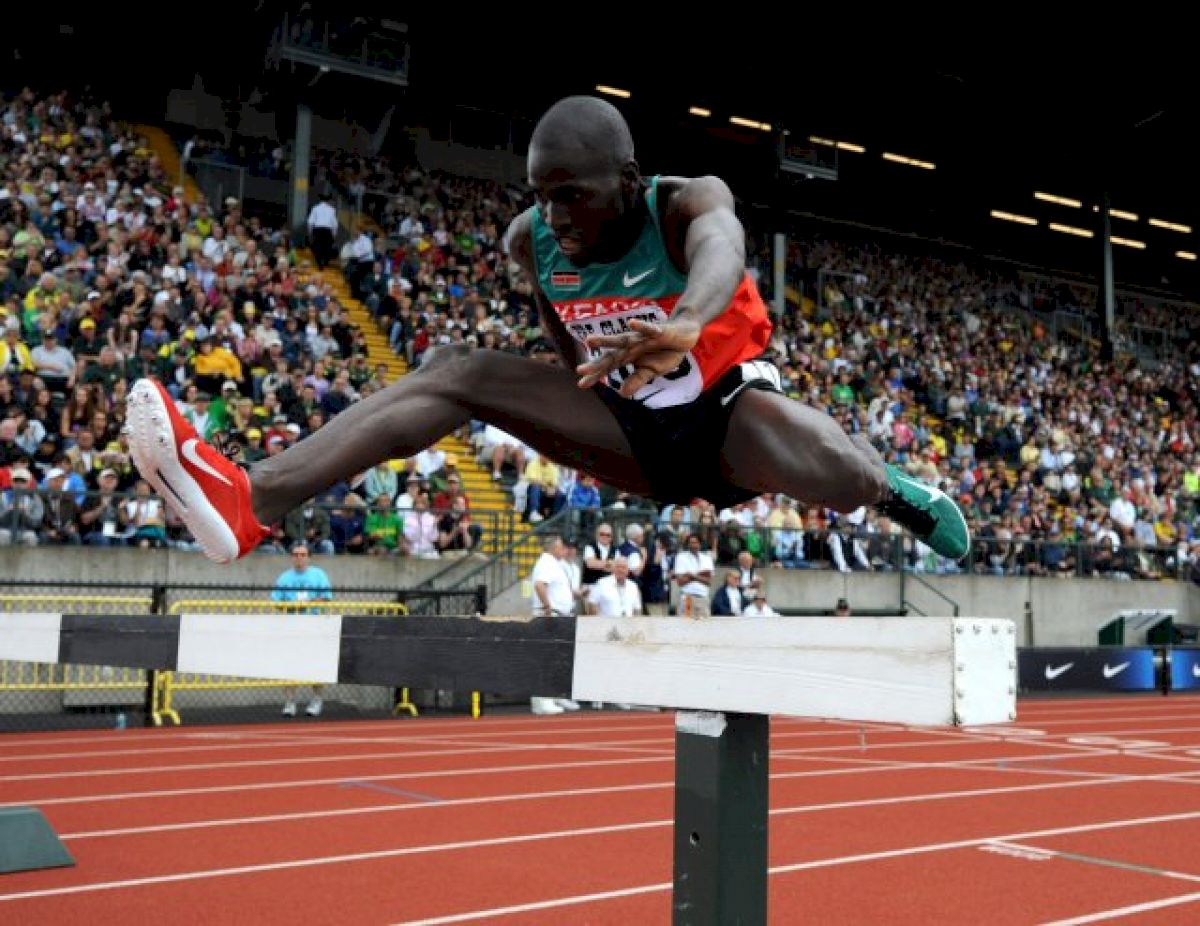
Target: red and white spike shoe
210, 493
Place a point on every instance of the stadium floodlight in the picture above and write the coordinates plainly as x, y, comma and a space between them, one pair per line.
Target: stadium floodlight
750, 123
1185, 255
1121, 214
850, 146
700, 111
910, 162
613, 91
1171, 226
1058, 200
1013, 217
1129, 243
1072, 230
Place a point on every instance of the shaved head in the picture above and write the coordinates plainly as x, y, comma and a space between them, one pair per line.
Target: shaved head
585, 123
585, 178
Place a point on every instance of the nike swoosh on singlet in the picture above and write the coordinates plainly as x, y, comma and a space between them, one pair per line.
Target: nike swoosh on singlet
190, 454
633, 281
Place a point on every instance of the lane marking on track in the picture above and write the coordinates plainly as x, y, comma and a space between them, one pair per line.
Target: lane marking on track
427, 802
908, 851
1119, 912
827, 863
373, 786
1096, 860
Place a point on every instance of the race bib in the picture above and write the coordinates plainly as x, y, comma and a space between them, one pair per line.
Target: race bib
679, 387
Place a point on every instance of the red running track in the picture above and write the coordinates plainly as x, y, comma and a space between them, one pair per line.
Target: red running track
1083, 811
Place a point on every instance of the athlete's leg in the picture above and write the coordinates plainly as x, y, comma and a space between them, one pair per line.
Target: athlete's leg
776, 444
538, 403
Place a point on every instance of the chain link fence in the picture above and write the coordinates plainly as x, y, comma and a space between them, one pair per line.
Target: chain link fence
38, 696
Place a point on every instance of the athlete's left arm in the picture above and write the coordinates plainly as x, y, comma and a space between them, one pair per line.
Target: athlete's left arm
704, 238
701, 227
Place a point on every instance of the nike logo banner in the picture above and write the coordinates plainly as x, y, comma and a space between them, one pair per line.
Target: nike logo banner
1088, 668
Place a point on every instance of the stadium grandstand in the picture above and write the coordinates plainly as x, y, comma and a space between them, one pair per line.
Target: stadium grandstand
992, 279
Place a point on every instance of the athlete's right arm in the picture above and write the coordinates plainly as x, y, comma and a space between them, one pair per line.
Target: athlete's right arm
518, 244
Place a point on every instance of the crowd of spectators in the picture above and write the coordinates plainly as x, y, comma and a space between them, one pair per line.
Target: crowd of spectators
1063, 463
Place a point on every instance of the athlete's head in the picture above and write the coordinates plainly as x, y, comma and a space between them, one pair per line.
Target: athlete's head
582, 170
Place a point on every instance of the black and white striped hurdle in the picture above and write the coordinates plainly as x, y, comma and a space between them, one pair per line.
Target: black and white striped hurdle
725, 677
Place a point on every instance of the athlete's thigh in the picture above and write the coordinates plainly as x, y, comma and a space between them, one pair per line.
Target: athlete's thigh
542, 404
777, 444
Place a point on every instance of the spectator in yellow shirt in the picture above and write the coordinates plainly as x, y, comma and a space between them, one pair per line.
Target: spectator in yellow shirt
543, 500
214, 364
14, 354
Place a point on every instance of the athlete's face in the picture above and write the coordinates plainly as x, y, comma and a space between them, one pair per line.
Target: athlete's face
581, 194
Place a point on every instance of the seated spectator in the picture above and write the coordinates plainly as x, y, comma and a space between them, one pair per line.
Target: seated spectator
347, 525
421, 529
309, 525
60, 524
21, 510
143, 519
727, 601
455, 530
384, 529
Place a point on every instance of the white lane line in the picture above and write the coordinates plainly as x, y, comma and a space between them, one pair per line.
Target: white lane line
829, 863
1118, 912
589, 831
918, 798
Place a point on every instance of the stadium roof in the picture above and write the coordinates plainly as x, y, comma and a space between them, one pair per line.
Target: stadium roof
998, 128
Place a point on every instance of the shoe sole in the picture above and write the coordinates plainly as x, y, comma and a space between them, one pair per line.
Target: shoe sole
152, 446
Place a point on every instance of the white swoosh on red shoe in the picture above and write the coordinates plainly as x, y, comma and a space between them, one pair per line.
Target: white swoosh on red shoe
189, 453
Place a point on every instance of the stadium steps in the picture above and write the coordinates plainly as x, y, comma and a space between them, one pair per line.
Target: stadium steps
168, 156
484, 493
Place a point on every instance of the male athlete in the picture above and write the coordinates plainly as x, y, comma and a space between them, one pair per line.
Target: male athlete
643, 291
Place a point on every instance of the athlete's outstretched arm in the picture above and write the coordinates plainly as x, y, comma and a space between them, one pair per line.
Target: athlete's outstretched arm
714, 247
704, 236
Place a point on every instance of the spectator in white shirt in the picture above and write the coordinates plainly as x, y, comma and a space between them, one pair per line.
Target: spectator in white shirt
615, 595
552, 597
322, 229
552, 593
431, 460
420, 529
759, 607
1123, 511
693, 575
55, 364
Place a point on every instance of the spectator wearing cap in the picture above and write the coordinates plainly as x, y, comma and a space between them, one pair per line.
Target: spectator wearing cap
21, 510
842, 609
444, 501
254, 450
54, 363
200, 415
87, 344
759, 607
222, 407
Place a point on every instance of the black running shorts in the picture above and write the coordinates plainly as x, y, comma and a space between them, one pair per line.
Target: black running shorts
679, 448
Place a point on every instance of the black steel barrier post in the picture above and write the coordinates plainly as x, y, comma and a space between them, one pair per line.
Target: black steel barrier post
721, 795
